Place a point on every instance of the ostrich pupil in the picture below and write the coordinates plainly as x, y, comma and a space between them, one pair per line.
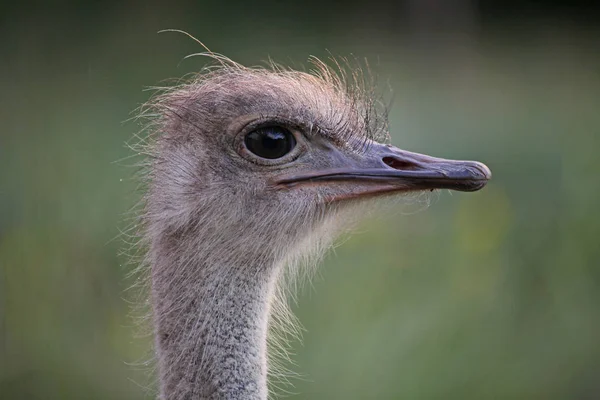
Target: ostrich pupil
270, 142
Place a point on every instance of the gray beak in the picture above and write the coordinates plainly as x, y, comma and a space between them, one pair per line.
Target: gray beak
393, 168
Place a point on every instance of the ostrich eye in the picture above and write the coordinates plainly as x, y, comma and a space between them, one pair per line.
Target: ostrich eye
270, 142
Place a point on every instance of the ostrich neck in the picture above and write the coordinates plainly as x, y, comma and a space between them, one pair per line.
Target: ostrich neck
211, 318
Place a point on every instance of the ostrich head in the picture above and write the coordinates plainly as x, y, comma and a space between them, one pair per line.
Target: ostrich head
249, 170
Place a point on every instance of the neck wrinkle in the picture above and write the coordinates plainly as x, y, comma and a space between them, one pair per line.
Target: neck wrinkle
211, 328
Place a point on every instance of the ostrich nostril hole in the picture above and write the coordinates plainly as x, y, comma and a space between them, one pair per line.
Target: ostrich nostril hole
399, 164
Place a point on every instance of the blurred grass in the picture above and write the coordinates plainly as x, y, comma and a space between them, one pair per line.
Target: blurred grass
487, 295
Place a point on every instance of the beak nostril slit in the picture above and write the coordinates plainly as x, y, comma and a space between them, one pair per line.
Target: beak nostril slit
399, 164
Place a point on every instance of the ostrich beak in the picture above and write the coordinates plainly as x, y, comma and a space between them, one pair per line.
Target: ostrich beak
387, 169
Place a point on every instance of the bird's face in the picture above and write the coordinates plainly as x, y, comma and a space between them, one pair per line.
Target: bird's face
280, 145
286, 158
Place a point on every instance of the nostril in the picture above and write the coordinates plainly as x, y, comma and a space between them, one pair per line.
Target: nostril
399, 164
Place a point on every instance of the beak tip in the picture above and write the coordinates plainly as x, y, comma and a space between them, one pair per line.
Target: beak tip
485, 171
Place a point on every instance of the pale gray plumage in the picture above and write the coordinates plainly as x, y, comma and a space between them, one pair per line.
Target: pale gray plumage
223, 225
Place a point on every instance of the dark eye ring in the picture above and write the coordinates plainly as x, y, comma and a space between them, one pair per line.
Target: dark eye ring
270, 142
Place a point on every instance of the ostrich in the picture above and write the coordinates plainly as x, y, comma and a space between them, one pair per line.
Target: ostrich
251, 171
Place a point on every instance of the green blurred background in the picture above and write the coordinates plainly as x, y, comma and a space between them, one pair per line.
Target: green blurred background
494, 294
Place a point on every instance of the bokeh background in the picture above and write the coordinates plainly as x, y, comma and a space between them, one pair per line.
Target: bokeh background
494, 294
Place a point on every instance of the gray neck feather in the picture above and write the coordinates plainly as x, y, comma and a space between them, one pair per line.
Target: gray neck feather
211, 319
